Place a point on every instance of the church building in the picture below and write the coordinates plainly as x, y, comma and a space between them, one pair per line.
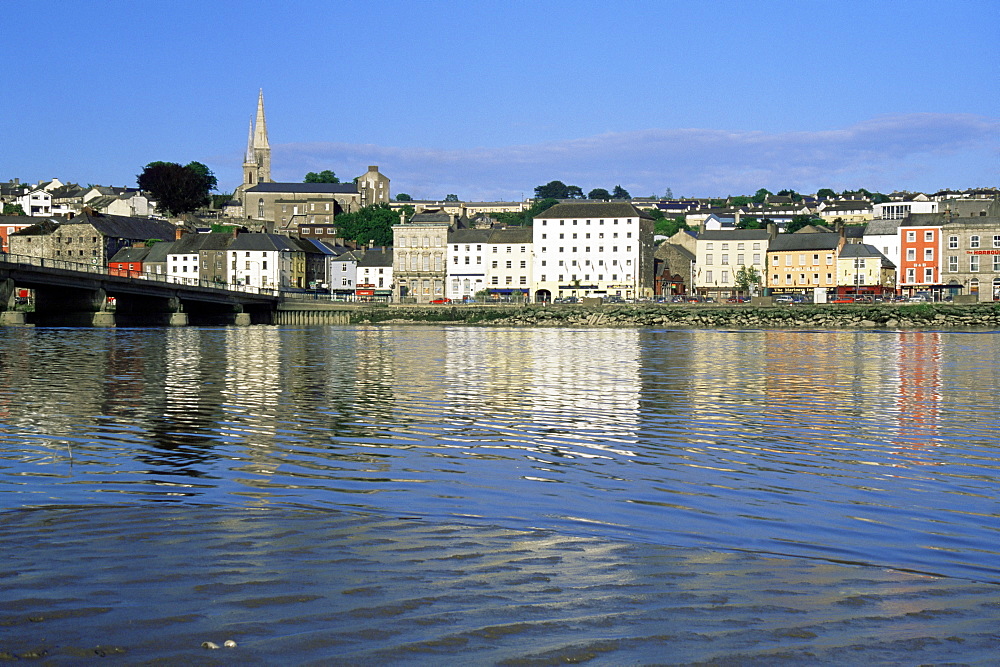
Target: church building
296, 209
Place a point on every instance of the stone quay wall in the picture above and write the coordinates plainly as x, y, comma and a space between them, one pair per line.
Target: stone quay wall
823, 316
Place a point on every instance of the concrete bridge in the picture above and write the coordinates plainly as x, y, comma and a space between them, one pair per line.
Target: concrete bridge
70, 294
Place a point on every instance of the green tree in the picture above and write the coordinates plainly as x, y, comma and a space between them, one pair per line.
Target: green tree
825, 192
557, 190
13, 209
669, 194
748, 222
799, 221
451, 197
177, 189
747, 279
792, 194
761, 195
599, 193
402, 196
325, 176
369, 225
879, 198
670, 226
620, 193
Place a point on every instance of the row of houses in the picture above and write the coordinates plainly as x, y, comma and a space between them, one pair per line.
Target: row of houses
601, 249
939, 253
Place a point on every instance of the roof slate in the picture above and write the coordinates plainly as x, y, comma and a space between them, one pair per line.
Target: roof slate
816, 241
593, 210
306, 188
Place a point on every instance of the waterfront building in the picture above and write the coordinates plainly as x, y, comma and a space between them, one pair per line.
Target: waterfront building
849, 211
87, 238
720, 254
801, 262
593, 249
344, 275
468, 254
128, 262
510, 257
864, 271
198, 257
920, 253
267, 261
884, 235
420, 250
9, 224
971, 257
375, 277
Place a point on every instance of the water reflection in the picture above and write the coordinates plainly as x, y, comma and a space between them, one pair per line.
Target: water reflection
856, 446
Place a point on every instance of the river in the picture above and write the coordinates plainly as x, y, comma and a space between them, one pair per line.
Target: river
464, 495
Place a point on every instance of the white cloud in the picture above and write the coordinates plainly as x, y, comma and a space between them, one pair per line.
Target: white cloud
906, 151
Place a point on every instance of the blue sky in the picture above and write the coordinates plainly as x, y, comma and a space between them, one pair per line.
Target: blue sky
486, 100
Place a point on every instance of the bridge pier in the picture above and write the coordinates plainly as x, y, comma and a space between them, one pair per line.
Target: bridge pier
145, 311
72, 307
9, 316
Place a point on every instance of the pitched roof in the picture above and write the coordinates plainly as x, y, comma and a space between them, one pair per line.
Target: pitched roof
130, 254
379, 257
593, 210
882, 228
734, 235
469, 236
124, 227
264, 242
158, 252
306, 188
857, 250
512, 235
192, 243
815, 241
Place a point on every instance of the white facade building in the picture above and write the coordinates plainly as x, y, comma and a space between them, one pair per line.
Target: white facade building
592, 249
719, 255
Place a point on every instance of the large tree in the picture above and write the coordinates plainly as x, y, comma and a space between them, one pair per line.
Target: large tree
325, 176
451, 198
558, 190
620, 193
599, 193
402, 196
369, 225
177, 189
747, 279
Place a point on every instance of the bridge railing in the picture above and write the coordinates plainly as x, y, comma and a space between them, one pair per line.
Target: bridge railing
45, 262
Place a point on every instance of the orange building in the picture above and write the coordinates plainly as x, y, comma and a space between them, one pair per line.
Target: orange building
919, 255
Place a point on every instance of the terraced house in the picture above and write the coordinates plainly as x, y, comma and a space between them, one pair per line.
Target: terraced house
720, 254
801, 262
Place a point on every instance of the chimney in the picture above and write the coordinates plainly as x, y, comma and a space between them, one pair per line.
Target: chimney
179, 232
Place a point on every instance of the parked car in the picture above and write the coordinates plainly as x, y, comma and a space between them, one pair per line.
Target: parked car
789, 299
738, 299
440, 301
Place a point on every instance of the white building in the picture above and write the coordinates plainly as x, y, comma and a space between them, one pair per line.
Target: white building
884, 236
265, 260
897, 210
593, 249
511, 262
468, 254
720, 254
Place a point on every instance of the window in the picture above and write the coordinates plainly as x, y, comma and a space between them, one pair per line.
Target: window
973, 262
911, 254
928, 275
929, 254
911, 236
996, 241
739, 260
952, 242
708, 276
708, 246
725, 258
725, 277
996, 263
508, 264
929, 236
974, 241
756, 258
911, 275
953, 263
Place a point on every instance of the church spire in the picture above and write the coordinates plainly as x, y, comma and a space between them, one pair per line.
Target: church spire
250, 158
260, 132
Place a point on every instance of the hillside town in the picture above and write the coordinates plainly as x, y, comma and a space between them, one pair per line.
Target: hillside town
855, 246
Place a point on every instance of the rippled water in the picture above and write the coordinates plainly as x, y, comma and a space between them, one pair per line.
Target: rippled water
531, 496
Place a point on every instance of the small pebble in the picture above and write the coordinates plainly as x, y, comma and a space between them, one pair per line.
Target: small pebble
230, 644
209, 645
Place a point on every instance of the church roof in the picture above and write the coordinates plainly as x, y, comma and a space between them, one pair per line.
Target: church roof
305, 188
